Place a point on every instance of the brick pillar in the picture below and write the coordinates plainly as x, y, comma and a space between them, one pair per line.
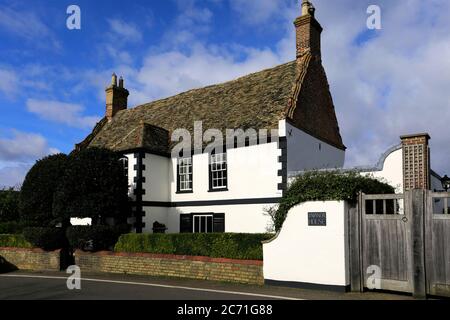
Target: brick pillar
416, 161
116, 98
308, 31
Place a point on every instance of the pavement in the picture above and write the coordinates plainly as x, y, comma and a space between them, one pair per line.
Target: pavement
22, 285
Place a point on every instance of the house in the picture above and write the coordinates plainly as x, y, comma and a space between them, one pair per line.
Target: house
284, 121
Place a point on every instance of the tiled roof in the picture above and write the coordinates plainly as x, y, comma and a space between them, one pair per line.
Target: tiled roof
257, 101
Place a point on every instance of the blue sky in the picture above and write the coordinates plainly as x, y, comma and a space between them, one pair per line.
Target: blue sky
385, 83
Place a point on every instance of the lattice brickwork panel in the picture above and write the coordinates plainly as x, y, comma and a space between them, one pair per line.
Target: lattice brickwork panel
415, 166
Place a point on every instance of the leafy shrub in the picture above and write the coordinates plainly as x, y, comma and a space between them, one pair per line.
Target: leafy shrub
46, 238
11, 227
215, 245
94, 186
9, 205
327, 186
14, 241
38, 189
95, 238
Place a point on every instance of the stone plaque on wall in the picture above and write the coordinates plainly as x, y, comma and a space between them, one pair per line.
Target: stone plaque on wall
317, 219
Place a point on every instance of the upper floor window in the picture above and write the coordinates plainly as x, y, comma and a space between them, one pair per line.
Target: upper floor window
218, 172
185, 176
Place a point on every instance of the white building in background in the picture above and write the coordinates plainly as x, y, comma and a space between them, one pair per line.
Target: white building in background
228, 191
225, 191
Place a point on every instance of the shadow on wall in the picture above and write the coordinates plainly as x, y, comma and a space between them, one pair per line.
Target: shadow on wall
6, 267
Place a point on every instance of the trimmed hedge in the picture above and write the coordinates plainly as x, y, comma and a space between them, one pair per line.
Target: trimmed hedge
14, 241
95, 238
11, 227
327, 186
48, 239
9, 205
214, 245
38, 190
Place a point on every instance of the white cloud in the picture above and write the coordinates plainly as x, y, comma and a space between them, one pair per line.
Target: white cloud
23, 147
126, 32
257, 12
9, 82
60, 112
384, 85
13, 176
28, 26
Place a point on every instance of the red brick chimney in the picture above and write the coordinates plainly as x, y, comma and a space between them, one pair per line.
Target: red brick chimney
116, 97
308, 31
416, 161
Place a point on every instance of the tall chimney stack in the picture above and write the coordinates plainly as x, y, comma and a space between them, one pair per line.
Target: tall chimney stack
416, 161
116, 97
308, 31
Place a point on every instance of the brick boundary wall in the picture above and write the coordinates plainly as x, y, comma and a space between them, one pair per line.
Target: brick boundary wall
189, 267
32, 259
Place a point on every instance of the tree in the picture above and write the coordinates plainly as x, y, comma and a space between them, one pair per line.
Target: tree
94, 186
38, 189
9, 205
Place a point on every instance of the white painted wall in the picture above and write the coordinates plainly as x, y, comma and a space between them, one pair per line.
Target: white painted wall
238, 218
392, 171
310, 254
153, 214
131, 174
252, 173
308, 153
157, 184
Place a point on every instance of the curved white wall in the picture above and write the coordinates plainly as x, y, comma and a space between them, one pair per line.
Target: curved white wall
310, 254
392, 171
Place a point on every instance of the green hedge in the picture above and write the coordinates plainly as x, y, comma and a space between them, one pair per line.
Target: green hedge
95, 238
14, 241
48, 239
327, 186
214, 245
11, 227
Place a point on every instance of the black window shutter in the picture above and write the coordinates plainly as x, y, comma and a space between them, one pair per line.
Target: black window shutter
178, 175
219, 223
186, 223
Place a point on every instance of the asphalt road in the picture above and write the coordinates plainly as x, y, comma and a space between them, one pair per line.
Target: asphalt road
53, 286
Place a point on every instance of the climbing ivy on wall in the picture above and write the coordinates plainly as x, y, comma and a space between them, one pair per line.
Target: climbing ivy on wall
327, 186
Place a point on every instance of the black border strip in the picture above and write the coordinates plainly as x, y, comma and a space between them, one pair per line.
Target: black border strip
139, 191
210, 203
283, 160
308, 286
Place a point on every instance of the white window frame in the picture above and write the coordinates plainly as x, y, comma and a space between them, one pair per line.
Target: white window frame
219, 166
203, 219
185, 174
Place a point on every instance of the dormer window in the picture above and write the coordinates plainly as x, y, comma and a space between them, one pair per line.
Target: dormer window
185, 175
218, 172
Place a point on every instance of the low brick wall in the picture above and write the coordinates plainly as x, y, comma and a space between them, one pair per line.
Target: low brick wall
204, 268
32, 259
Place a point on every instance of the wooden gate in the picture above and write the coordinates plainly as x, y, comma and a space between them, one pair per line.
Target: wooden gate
404, 239
386, 241
437, 231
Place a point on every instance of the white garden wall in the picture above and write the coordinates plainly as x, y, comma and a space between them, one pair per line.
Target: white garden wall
306, 255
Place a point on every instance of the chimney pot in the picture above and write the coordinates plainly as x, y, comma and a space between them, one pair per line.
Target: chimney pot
114, 80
